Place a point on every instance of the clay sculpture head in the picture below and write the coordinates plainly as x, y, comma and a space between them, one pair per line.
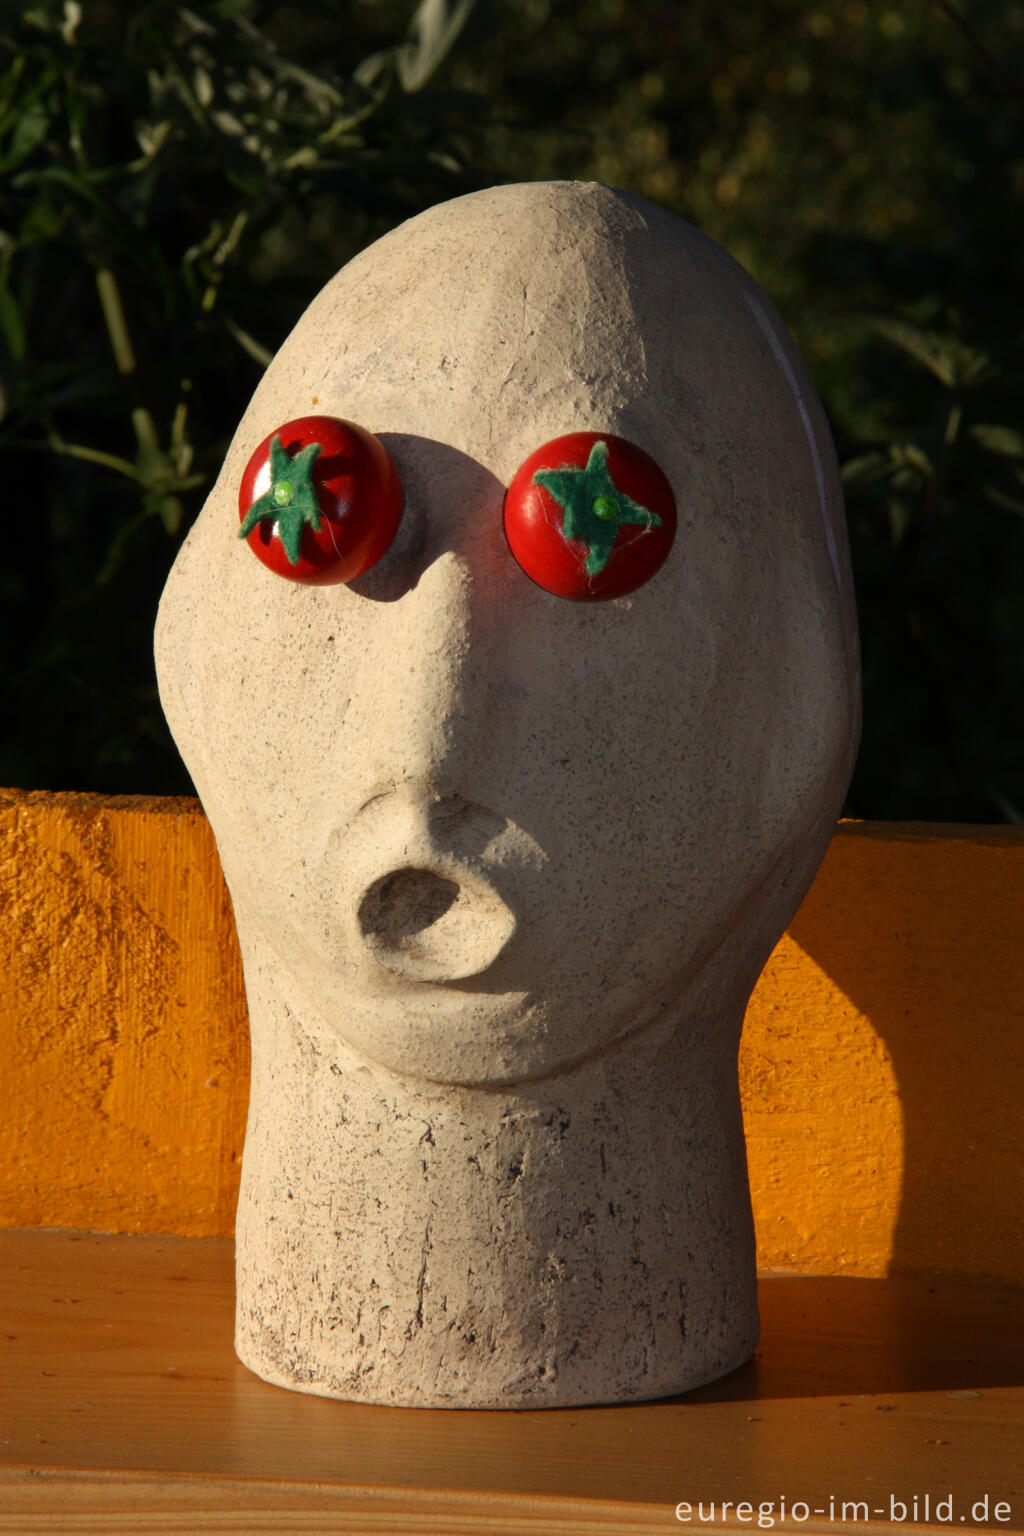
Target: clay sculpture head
506, 863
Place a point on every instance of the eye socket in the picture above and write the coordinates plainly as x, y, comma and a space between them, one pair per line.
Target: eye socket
320, 500
590, 516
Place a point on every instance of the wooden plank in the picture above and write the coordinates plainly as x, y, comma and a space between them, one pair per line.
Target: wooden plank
91, 1505
118, 1366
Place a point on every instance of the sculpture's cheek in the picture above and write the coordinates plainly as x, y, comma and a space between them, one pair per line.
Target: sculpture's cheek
567, 774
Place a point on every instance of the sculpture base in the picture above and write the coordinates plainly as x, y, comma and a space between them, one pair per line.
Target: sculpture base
541, 1393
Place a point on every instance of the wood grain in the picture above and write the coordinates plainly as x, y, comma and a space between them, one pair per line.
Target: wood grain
122, 1407
84, 1504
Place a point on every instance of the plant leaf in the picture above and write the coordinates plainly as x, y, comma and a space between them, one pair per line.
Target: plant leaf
925, 347
434, 27
1005, 441
865, 469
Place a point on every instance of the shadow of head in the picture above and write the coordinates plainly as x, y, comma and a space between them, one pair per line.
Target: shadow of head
828, 1336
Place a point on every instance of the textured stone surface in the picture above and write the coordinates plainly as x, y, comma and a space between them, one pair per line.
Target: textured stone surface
499, 1159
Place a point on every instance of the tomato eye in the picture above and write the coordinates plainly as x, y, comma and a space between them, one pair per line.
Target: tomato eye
320, 500
590, 516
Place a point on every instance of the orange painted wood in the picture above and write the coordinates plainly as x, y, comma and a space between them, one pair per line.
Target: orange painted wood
122, 1403
883, 1060
123, 1029
882, 1064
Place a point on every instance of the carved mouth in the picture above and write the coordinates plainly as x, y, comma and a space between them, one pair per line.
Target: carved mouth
427, 926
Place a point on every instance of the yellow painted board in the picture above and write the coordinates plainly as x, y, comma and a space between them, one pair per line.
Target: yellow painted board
122, 1010
882, 1063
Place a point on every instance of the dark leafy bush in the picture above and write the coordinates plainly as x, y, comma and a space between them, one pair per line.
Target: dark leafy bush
177, 184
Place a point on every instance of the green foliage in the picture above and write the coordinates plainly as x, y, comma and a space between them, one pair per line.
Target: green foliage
937, 521
176, 184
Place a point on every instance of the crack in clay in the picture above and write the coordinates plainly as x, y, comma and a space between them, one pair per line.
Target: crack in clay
421, 1282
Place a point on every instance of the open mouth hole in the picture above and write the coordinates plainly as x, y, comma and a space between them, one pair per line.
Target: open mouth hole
423, 926
399, 907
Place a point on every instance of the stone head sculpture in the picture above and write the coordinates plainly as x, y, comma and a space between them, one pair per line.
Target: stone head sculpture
505, 864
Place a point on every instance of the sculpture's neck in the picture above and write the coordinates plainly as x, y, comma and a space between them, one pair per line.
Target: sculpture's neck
583, 1238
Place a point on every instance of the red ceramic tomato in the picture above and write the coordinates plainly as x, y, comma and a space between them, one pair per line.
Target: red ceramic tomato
590, 516
320, 500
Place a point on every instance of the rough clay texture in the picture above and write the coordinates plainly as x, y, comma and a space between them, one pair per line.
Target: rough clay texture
505, 868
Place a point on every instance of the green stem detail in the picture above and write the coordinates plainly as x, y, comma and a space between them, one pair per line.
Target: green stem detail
290, 502
593, 507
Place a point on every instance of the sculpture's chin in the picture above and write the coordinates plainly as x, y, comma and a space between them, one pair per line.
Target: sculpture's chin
451, 1034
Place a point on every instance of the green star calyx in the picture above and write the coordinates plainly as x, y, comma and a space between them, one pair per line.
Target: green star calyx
593, 507
290, 501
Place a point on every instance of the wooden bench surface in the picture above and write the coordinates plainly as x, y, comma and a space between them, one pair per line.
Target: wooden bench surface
123, 1407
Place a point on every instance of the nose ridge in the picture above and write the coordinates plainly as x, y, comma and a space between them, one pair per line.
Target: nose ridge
426, 684
430, 871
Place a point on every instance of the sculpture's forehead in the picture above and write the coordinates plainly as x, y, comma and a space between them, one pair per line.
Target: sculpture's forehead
493, 324
507, 317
